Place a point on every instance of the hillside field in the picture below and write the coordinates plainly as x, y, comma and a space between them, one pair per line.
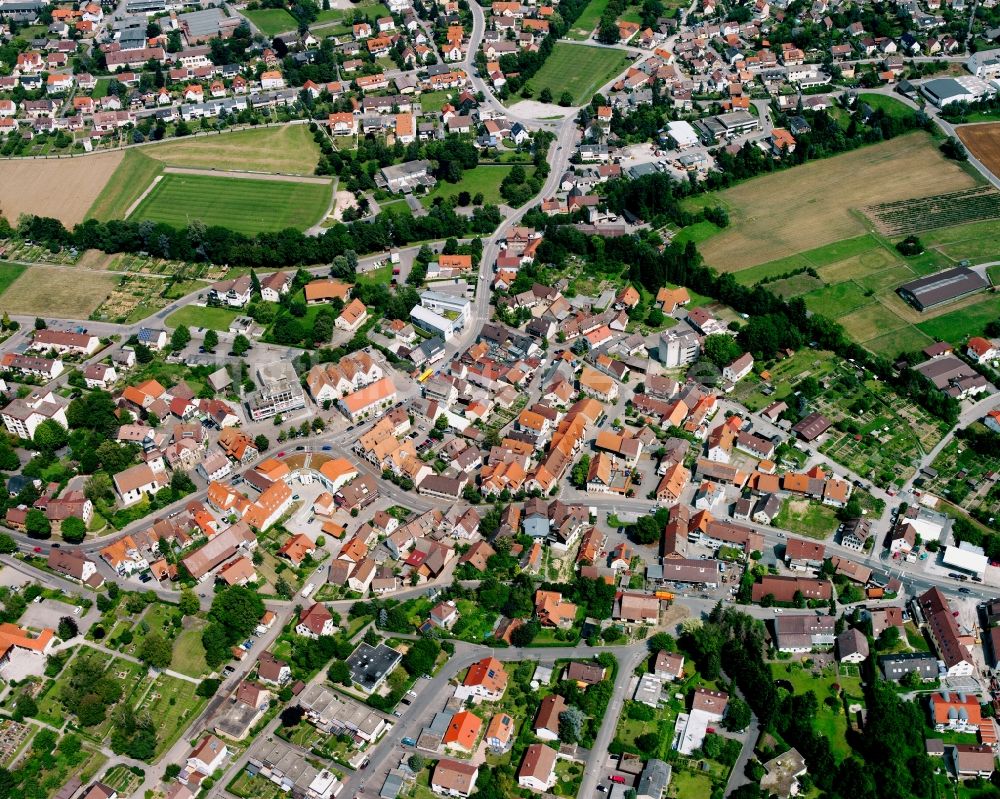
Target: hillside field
579, 69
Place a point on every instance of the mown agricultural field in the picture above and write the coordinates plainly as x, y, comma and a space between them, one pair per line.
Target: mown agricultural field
286, 149
242, 204
63, 188
579, 69
814, 204
906, 217
983, 141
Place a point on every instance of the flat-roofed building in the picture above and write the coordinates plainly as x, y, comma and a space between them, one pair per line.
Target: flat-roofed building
941, 287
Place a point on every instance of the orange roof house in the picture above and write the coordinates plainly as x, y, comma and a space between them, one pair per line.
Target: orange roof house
553, 611
326, 290
297, 548
463, 732
486, 679
14, 637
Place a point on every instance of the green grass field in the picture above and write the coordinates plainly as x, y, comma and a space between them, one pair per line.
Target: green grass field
8, 274
130, 180
198, 316
587, 20
578, 69
891, 106
271, 21
189, 654
285, 149
432, 101
483, 179
244, 205
955, 326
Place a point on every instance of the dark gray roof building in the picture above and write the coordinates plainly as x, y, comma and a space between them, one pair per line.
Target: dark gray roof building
942, 287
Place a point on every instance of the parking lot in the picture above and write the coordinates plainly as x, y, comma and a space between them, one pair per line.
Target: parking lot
48, 612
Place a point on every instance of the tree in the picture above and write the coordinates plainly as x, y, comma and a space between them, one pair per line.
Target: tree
416, 762
545, 95
7, 544
180, 338
722, 349
50, 436
171, 772
73, 530
67, 628
648, 743
261, 443
571, 722
283, 588
155, 650
211, 340
238, 610
340, 672
188, 604
524, 634
98, 487
888, 639
24, 707
40, 323
421, 657
241, 345
36, 525
566, 99
661, 642
737, 715
579, 473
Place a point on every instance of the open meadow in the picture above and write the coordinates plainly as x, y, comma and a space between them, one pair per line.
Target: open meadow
579, 69
271, 21
286, 149
793, 210
587, 21
244, 204
63, 188
60, 292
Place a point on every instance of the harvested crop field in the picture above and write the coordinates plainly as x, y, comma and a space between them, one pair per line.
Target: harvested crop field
983, 142
799, 209
68, 293
288, 149
63, 188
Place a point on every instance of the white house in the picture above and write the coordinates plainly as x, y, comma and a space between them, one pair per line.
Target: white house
135, 482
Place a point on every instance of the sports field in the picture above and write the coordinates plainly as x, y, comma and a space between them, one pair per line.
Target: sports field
63, 188
587, 20
484, 179
797, 209
579, 69
242, 204
983, 142
287, 149
271, 21
61, 292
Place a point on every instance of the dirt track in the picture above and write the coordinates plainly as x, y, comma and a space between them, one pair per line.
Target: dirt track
63, 188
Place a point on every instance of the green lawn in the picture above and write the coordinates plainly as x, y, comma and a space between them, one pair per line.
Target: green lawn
891, 106
587, 20
810, 519
198, 316
697, 232
432, 101
836, 300
483, 179
376, 276
130, 180
271, 21
189, 654
245, 205
968, 321
9, 273
580, 70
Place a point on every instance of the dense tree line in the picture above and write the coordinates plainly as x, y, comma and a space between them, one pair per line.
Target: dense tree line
289, 247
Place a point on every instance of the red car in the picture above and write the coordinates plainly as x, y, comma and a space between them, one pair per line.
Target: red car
38, 549
617, 778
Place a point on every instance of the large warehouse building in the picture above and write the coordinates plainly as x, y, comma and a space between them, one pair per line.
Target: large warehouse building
937, 289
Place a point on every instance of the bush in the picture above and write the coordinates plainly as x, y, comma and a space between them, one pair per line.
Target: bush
910, 246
